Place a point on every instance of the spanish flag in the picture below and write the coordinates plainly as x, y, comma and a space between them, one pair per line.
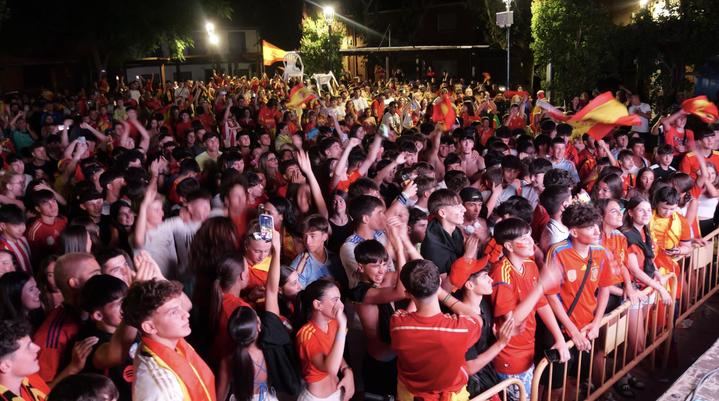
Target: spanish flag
600, 116
271, 54
443, 110
300, 95
701, 107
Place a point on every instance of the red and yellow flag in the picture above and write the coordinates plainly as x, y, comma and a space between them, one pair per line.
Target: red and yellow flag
600, 116
271, 54
444, 111
300, 95
701, 107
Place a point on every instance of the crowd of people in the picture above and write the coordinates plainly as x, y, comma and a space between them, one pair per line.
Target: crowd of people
222, 240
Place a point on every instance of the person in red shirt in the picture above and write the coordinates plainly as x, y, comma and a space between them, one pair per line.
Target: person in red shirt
44, 234
517, 119
705, 139
519, 294
427, 338
19, 366
676, 135
61, 326
580, 301
321, 343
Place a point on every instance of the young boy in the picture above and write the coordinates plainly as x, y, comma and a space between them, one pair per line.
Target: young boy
518, 283
19, 379
554, 199
663, 166
316, 261
167, 367
626, 163
367, 212
374, 296
558, 160
44, 234
586, 276
101, 298
12, 236
444, 242
60, 327
427, 339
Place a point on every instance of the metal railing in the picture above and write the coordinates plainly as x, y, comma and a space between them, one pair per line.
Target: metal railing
700, 274
503, 388
610, 357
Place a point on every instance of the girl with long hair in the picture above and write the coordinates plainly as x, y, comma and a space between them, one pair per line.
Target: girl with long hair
640, 263
264, 360
20, 298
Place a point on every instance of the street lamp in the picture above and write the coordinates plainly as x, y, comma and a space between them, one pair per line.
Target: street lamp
212, 37
329, 13
505, 20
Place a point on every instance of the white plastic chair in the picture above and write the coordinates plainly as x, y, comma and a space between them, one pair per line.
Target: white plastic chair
325, 80
293, 67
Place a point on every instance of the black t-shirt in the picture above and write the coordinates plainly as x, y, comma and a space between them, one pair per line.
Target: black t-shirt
120, 375
487, 376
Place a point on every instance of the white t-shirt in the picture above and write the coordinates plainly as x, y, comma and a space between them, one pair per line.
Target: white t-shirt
554, 232
644, 108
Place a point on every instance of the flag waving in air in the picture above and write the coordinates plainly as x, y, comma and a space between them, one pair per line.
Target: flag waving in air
600, 116
701, 107
443, 110
300, 95
271, 54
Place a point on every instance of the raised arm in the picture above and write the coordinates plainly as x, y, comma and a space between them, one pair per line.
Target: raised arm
99, 135
374, 149
141, 220
340, 172
272, 287
145, 141
306, 166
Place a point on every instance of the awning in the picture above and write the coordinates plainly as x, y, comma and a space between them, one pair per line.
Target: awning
405, 49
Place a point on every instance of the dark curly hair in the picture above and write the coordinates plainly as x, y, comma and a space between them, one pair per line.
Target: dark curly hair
145, 297
581, 215
11, 331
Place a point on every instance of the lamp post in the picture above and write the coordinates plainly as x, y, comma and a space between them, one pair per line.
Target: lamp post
505, 20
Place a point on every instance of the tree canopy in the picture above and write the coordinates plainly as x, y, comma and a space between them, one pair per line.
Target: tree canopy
320, 50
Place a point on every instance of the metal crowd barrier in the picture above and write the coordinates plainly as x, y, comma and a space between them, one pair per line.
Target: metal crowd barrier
502, 388
700, 274
611, 347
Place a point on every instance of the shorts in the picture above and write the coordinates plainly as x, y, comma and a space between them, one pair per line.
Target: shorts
526, 379
403, 394
305, 395
651, 299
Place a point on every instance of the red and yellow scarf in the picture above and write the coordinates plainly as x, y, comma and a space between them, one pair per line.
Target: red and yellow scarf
197, 379
33, 388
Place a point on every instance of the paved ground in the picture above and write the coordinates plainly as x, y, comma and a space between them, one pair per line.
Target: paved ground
691, 343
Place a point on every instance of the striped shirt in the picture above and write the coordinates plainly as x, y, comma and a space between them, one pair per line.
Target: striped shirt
55, 337
21, 250
154, 382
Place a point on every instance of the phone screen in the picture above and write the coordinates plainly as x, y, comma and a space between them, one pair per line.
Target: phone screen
267, 225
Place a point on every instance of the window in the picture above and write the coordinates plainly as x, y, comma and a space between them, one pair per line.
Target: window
237, 42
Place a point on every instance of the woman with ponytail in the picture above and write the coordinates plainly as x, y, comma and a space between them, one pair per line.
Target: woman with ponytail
321, 343
264, 360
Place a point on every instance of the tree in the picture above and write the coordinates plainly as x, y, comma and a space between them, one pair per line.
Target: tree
575, 37
107, 35
320, 50
659, 45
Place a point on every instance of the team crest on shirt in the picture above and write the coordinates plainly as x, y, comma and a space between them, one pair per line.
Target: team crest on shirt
595, 274
572, 275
